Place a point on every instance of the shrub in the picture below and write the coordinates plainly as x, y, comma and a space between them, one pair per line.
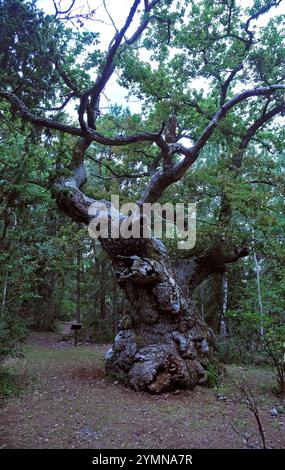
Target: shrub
246, 345
12, 332
213, 375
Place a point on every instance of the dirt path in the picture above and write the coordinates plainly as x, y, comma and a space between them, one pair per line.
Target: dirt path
69, 403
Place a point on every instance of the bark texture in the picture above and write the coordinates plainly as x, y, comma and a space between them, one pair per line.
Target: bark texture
162, 345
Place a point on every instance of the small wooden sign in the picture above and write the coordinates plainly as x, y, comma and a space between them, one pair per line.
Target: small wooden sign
76, 326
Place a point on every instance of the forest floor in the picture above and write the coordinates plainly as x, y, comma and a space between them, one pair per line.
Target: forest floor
66, 402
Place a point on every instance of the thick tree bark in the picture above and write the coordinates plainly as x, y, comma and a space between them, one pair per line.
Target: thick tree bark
223, 323
162, 345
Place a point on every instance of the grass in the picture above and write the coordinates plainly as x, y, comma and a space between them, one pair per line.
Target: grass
10, 382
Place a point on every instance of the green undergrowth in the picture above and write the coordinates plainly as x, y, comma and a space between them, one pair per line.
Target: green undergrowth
12, 382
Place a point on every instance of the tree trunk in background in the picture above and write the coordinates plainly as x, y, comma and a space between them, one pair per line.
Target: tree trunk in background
258, 283
78, 293
4, 298
115, 315
223, 324
103, 288
95, 273
49, 300
257, 270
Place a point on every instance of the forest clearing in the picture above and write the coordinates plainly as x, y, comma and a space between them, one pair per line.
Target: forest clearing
69, 403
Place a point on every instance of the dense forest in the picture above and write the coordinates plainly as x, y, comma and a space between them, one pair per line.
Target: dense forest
171, 101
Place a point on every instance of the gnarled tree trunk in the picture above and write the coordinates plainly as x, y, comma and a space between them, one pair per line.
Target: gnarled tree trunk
162, 345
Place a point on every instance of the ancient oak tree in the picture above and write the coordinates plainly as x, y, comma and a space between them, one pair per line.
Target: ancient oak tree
203, 72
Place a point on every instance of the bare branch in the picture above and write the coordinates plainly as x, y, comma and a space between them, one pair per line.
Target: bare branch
90, 134
237, 160
65, 12
150, 5
62, 106
248, 43
109, 66
194, 270
110, 17
107, 70
114, 173
270, 183
164, 179
68, 82
226, 84
25, 114
260, 12
223, 111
